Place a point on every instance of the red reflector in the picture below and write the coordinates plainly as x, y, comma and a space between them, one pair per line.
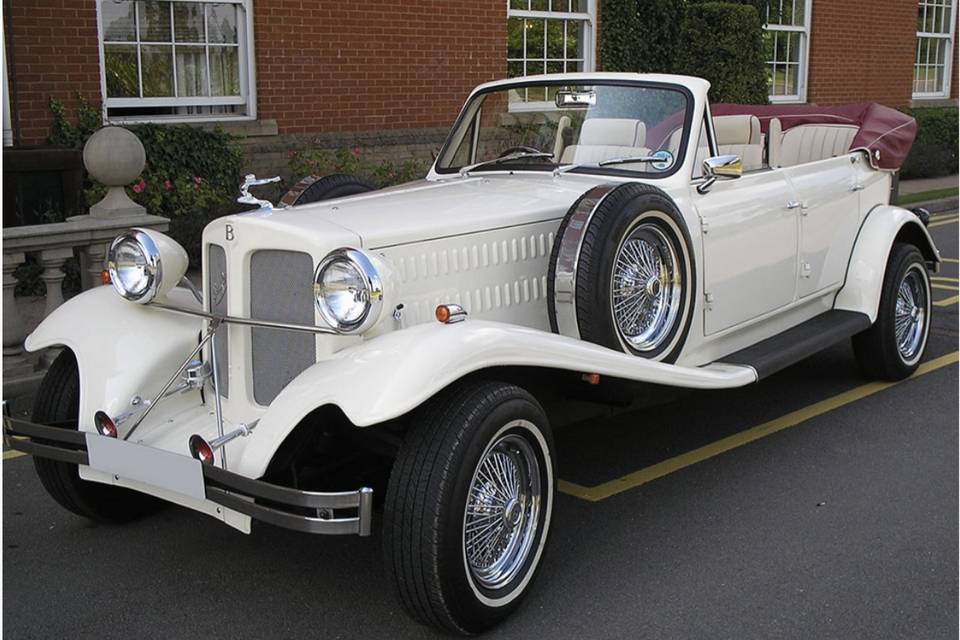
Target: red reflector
591, 378
200, 449
104, 424
105, 277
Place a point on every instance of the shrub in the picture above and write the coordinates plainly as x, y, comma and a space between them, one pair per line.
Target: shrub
191, 175
639, 36
723, 43
353, 161
934, 152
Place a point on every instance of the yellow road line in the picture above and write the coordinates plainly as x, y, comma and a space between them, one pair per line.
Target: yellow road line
953, 260
792, 419
945, 287
10, 455
940, 223
944, 279
946, 302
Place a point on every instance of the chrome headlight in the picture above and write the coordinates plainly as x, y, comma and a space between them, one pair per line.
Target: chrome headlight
145, 264
349, 291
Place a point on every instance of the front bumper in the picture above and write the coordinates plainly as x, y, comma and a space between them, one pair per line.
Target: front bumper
345, 512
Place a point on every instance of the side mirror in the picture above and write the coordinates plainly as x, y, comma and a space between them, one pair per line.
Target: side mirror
726, 167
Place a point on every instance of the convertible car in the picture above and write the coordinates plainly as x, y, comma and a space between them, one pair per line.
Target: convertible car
397, 358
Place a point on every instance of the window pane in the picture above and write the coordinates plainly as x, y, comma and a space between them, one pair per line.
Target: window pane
224, 71
555, 42
519, 4
535, 30
555, 67
534, 68
790, 80
157, 64
573, 39
118, 20
191, 71
120, 66
221, 23
514, 69
188, 21
539, 5
515, 38
154, 21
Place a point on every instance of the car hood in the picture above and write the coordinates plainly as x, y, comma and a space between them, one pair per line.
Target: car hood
427, 210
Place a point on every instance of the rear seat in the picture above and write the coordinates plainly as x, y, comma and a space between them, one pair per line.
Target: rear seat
808, 142
606, 139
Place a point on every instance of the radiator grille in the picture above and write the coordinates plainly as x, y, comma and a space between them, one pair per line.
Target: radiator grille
281, 290
217, 292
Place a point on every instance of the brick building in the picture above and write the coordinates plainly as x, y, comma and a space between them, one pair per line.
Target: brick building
392, 75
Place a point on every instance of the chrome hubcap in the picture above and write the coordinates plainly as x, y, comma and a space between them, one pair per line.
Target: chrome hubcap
910, 316
502, 512
646, 288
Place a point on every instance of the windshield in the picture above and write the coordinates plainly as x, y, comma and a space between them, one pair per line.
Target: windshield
606, 128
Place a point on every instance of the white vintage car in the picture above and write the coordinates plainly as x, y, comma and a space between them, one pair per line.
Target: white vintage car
398, 352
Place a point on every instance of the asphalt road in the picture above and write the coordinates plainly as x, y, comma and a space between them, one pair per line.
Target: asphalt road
841, 522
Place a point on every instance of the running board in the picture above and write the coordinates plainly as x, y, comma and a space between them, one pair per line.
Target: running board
802, 341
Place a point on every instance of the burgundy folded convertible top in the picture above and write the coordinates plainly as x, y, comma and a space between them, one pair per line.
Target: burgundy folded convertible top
887, 134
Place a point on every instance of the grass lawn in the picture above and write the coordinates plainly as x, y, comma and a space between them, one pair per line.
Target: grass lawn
923, 196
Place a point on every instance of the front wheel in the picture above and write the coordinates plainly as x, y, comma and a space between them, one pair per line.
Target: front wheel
468, 506
892, 348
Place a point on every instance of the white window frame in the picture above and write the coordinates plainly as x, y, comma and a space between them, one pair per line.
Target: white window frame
588, 36
803, 59
247, 70
944, 92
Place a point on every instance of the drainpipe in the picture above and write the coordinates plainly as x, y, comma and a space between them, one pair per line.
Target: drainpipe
7, 120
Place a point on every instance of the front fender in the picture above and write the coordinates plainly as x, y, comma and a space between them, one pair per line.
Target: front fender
864, 281
120, 346
390, 375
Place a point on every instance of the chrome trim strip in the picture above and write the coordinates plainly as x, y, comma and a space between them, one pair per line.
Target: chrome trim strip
565, 275
250, 322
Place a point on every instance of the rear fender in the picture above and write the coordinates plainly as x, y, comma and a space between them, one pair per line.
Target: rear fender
389, 376
883, 226
122, 348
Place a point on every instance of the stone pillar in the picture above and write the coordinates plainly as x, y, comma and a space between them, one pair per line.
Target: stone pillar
15, 362
114, 156
52, 261
96, 257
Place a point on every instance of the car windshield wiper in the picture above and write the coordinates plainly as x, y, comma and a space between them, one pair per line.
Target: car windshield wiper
665, 158
513, 156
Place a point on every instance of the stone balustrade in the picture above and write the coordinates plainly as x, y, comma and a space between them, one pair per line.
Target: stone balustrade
85, 237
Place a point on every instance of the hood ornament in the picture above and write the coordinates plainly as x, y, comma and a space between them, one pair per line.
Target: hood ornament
250, 180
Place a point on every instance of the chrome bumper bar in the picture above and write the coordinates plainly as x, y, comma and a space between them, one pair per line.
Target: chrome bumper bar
336, 513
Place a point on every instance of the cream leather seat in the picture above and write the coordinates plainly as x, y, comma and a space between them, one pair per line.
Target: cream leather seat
739, 135
808, 142
607, 138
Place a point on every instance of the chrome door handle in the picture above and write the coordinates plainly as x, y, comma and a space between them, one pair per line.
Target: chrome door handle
793, 204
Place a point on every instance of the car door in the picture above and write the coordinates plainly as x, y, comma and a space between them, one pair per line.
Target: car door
829, 199
750, 244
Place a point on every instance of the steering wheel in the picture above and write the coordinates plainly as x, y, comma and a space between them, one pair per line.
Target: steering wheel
520, 149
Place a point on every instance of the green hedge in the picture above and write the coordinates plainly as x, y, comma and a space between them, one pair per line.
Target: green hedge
719, 41
934, 152
723, 43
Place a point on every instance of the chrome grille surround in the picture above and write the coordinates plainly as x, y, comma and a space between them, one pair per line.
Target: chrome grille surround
216, 287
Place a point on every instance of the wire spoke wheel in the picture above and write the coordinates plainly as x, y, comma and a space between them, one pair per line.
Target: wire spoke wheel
502, 512
645, 288
910, 313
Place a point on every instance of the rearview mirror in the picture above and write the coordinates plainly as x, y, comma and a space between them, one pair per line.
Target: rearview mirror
726, 167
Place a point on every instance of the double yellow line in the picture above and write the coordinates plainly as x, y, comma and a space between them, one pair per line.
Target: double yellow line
792, 419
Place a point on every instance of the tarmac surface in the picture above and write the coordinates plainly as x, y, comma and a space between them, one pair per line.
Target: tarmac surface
811, 505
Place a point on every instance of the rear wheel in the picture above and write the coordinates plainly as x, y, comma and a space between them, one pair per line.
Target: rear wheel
57, 403
468, 506
891, 349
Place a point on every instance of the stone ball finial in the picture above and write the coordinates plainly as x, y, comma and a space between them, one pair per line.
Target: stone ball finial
114, 156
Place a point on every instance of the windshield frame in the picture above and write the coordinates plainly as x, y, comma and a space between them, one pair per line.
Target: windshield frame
551, 166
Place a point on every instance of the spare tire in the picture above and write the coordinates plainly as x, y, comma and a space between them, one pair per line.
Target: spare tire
315, 189
622, 272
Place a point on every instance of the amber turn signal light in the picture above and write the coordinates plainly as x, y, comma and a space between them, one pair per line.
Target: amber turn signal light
450, 313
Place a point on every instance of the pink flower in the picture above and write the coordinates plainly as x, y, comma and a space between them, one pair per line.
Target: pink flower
356, 152
197, 179
140, 186
312, 163
167, 185
392, 177
293, 154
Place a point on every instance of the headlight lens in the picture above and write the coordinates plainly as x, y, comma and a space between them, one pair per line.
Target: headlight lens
134, 265
349, 291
